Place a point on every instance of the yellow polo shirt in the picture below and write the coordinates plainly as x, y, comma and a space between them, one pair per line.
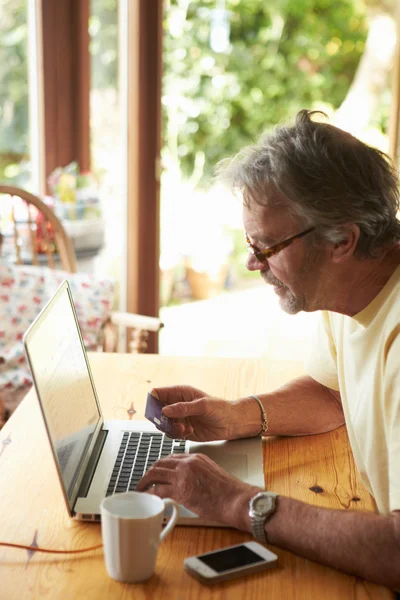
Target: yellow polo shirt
360, 357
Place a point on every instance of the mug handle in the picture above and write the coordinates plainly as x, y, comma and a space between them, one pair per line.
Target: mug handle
172, 522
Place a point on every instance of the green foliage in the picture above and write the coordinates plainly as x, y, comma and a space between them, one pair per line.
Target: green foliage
14, 84
14, 106
103, 29
285, 55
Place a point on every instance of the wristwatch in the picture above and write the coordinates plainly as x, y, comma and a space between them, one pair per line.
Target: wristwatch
262, 507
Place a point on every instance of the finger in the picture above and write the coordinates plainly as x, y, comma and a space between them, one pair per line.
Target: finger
181, 410
156, 474
188, 433
177, 393
180, 431
169, 462
162, 490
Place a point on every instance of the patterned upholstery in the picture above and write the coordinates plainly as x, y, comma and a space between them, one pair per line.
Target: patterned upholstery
24, 291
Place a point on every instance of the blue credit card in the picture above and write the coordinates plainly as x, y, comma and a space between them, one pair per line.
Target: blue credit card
153, 413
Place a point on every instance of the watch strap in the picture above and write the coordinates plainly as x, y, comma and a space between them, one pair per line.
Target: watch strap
258, 529
258, 521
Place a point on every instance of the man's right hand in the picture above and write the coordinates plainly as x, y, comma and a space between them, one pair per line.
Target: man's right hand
200, 417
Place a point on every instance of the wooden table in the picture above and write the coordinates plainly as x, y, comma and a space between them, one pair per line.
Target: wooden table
316, 469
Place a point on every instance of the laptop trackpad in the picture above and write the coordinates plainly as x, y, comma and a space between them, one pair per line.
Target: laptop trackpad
233, 463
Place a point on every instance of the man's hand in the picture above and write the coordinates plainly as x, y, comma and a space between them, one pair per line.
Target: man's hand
301, 407
202, 418
202, 486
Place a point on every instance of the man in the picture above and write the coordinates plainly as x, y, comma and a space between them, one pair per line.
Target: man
332, 202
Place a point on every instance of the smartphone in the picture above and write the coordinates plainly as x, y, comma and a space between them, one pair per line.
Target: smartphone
231, 562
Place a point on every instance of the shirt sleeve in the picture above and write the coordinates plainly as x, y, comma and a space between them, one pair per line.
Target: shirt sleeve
392, 420
321, 362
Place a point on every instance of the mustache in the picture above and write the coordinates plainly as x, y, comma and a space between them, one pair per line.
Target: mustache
270, 278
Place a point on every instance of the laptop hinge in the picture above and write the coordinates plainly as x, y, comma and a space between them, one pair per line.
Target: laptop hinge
92, 464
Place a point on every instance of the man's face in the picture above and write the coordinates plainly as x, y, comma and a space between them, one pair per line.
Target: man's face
297, 272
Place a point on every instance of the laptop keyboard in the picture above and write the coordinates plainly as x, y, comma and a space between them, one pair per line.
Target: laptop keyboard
137, 452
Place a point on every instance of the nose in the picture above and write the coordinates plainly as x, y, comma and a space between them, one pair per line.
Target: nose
253, 264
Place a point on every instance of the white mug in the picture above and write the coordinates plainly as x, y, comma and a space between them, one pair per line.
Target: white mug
131, 526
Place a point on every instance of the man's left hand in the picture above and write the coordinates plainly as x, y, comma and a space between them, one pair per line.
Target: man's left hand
202, 486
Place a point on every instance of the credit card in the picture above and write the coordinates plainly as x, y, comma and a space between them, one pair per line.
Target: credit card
153, 413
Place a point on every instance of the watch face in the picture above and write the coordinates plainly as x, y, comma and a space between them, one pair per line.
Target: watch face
263, 505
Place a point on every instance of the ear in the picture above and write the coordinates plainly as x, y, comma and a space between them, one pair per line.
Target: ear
345, 248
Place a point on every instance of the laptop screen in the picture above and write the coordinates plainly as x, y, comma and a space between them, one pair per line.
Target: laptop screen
63, 383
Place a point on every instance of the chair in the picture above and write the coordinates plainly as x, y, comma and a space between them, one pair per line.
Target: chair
55, 239
32, 234
55, 244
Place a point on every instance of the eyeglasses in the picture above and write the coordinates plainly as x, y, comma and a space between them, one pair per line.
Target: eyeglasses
263, 255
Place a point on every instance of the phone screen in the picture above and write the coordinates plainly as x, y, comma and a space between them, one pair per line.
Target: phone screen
232, 558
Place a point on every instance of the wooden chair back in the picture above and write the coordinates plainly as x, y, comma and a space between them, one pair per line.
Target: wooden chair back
60, 249
25, 231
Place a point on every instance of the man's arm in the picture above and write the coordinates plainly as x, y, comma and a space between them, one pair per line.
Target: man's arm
301, 407
362, 544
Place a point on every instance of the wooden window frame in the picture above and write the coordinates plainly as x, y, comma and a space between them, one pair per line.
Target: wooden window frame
144, 53
66, 83
66, 107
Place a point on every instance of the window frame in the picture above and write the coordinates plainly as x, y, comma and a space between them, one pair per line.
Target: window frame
66, 108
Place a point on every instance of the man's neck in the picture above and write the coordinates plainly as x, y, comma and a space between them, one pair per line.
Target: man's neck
362, 281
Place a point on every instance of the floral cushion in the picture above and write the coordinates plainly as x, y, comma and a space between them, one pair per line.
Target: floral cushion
24, 291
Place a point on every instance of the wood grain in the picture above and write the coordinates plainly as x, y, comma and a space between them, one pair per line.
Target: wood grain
31, 503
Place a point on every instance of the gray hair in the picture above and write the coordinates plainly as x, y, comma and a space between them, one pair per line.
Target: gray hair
328, 178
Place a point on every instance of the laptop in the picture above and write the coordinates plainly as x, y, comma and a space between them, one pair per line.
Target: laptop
96, 458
